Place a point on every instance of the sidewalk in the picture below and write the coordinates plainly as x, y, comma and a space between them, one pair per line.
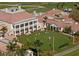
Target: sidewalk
67, 34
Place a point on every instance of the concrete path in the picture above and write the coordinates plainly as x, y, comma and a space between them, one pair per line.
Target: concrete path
67, 51
67, 34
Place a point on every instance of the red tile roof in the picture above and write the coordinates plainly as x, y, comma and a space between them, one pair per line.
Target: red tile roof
50, 13
75, 27
59, 22
12, 18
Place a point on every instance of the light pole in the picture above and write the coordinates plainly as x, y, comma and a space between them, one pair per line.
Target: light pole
73, 40
53, 44
49, 43
35, 38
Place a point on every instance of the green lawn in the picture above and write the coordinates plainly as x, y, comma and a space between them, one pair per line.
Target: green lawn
59, 39
74, 53
47, 5
4, 6
69, 5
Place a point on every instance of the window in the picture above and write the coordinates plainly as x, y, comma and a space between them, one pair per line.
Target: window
22, 30
30, 27
59, 28
38, 26
35, 26
35, 21
26, 24
17, 26
30, 23
26, 28
21, 25
17, 31
12, 10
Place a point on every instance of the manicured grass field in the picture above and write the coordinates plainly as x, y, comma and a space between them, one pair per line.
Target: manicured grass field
47, 5
59, 39
50, 5
74, 53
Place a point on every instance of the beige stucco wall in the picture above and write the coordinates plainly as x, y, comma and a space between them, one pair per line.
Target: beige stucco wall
40, 25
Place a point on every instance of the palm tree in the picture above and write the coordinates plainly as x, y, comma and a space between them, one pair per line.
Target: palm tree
58, 5
77, 33
62, 5
45, 21
76, 5
2, 53
67, 30
21, 51
14, 49
38, 44
11, 47
4, 29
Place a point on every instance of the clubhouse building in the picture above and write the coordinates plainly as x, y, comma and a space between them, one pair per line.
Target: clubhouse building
18, 21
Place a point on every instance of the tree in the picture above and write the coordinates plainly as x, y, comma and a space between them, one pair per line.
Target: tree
15, 49
45, 21
74, 14
67, 30
58, 5
11, 47
4, 29
62, 5
38, 44
20, 51
76, 5
2, 53
76, 35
